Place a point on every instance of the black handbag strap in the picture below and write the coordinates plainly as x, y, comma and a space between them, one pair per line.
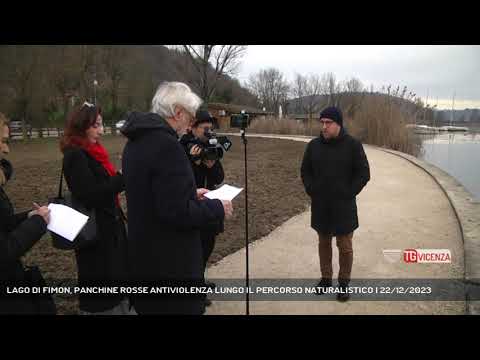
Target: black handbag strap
122, 215
60, 186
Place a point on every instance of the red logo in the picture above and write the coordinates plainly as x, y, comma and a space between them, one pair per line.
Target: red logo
424, 256
410, 255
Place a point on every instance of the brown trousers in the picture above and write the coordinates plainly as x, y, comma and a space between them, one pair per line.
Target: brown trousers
345, 250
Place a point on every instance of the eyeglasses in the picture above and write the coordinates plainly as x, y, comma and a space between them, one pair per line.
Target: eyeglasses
326, 122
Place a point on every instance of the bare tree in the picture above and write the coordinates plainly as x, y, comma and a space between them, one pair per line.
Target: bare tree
313, 91
270, 87
299, 91
354, 96
331, 89
211, 62
87, 70
307, 90
61, 71
25, 61
114, 60
353, 85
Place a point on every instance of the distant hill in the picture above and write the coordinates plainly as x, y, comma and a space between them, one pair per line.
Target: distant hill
299, 105
171, 65
459, 116
40, 84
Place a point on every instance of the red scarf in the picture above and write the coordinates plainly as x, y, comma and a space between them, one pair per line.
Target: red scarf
99, 153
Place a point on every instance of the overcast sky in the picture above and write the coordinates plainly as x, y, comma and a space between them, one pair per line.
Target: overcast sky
440, 70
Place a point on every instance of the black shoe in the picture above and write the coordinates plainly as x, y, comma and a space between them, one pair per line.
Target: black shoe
210, 285
343, 295
322, 285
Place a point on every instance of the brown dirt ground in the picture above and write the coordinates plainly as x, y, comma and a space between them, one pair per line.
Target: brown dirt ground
275, 194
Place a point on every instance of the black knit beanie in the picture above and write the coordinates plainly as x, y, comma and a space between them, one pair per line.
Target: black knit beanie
332, 113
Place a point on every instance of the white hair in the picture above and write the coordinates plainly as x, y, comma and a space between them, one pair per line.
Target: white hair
171, 94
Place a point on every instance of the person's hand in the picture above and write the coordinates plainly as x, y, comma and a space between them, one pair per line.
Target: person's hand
43, 211
227, 208
201, 192
34, 211
209, 163
195, 150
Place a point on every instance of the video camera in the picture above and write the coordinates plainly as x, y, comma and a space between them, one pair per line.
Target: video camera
241, 121
214, 147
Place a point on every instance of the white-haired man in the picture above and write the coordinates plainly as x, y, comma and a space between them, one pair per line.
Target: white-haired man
165, 209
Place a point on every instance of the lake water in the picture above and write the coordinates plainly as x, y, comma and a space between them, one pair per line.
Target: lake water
457, 154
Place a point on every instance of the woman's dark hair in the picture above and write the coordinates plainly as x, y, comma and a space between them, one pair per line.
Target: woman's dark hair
78, 123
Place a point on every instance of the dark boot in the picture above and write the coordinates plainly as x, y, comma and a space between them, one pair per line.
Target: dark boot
343, 295
322, 285
210, 285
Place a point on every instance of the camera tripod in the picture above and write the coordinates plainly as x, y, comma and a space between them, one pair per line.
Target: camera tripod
247, 279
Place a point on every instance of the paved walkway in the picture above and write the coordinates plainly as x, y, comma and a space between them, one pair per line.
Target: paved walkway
401, 207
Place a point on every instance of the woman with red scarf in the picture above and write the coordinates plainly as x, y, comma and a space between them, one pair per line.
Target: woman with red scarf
94, 182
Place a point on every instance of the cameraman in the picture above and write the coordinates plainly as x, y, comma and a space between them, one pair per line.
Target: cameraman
208, 173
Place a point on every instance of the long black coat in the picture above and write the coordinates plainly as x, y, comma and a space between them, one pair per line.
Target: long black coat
164, 216
106, 261
334, 172
18, 234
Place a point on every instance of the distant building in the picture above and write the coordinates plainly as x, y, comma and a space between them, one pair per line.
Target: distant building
304, 117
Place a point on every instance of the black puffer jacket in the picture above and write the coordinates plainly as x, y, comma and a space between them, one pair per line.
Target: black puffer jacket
334, 172
164, 215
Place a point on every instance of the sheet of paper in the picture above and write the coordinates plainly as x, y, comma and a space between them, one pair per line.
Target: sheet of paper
65, 221
226, 192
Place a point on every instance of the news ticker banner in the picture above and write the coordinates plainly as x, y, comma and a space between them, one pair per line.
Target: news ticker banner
264, 289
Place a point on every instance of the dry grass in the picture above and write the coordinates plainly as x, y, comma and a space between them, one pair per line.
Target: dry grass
381, 122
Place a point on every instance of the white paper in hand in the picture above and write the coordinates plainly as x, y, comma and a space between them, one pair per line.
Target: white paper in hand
65, 221
226, 192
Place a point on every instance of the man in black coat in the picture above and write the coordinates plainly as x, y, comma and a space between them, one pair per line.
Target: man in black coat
208, 174
334, 171
165, 210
